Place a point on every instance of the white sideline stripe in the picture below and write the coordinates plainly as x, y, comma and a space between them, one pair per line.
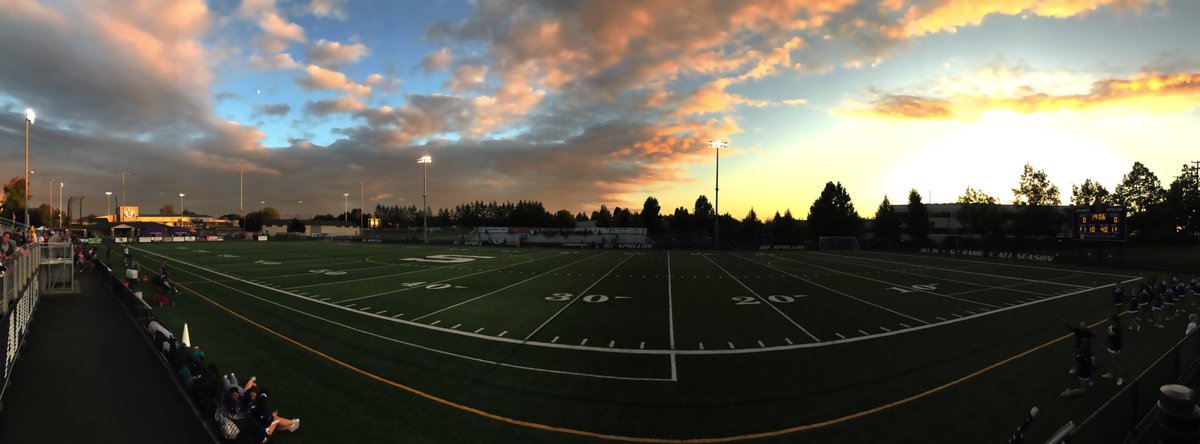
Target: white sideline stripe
835, 291
701, 351
576, 298
973, 284
768, 301
1007, 265
442, 281
505, 288
886, 282
398, 341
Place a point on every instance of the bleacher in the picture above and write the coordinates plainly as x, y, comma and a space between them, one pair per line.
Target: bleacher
569, 237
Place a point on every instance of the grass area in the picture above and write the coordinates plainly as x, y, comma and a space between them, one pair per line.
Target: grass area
385, 343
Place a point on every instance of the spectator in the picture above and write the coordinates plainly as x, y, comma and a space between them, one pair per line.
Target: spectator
233, 404
1191, 325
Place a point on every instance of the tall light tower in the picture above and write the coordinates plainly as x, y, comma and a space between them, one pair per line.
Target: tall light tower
345, 207
300, 212
425, 160
123, 174
181, 207
361, 205
29, 118
717, 145
241, 196
60, 199
108, 205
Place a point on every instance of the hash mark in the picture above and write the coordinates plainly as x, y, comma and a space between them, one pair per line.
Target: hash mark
501, 335
555, 340
436, 322
399, 315
840, 335
455, 327
760, 344
730, 344
479, 330
905, 325
789, 340
381, 312
884, 329
584, 342
863, 332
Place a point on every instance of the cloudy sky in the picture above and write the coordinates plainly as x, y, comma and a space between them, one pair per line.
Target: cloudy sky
588, 102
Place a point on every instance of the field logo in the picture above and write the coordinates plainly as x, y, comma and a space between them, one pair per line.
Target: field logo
447, 258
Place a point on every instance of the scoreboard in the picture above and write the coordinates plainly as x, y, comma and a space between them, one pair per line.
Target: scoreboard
1100, 223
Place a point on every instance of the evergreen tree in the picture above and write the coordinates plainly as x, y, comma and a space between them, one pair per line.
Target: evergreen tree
832, 214
886, 225
917, 218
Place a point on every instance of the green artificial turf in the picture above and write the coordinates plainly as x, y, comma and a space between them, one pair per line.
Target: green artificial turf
643, 343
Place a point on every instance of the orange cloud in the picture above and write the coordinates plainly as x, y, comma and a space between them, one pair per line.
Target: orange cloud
1145, 92
950, 15
326, 53
320, 78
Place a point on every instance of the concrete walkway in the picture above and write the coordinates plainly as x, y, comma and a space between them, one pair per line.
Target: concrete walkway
87, 375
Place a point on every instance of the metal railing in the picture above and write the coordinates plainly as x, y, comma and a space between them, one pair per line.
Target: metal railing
18, 302
1122, 416
204, 388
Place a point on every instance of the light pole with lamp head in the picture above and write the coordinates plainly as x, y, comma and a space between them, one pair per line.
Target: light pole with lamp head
181, 207
717, 145
108, 205
123, 174
425, 160
362, 206
30, 116
345, 208
60, 204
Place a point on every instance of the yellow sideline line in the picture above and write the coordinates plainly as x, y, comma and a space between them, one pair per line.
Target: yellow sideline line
585, 433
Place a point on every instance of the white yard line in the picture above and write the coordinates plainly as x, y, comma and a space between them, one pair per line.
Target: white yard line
973, 284
1003, 264
767, 301
401, 274
578, 296
506, 287
835, 291
670, 317
440, 281
966, 272
886, 282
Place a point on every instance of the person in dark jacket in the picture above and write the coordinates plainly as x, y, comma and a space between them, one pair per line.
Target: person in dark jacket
1114, 343
1082, 335
1084, 363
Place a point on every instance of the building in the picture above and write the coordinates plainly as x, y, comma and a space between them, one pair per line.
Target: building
313, 227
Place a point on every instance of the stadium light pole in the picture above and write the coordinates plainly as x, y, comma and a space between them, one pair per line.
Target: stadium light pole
123, 174
30, 116
362, 206
300, 212
60, 198
345, 208
425, 160
241, 196
108, 205
181, 206
717, 145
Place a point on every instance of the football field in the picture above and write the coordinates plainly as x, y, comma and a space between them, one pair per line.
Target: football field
402, 343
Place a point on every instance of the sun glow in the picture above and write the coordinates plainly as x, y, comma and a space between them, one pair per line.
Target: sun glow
989, 155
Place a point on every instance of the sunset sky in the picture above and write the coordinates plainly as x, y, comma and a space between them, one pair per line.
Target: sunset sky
582, 103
